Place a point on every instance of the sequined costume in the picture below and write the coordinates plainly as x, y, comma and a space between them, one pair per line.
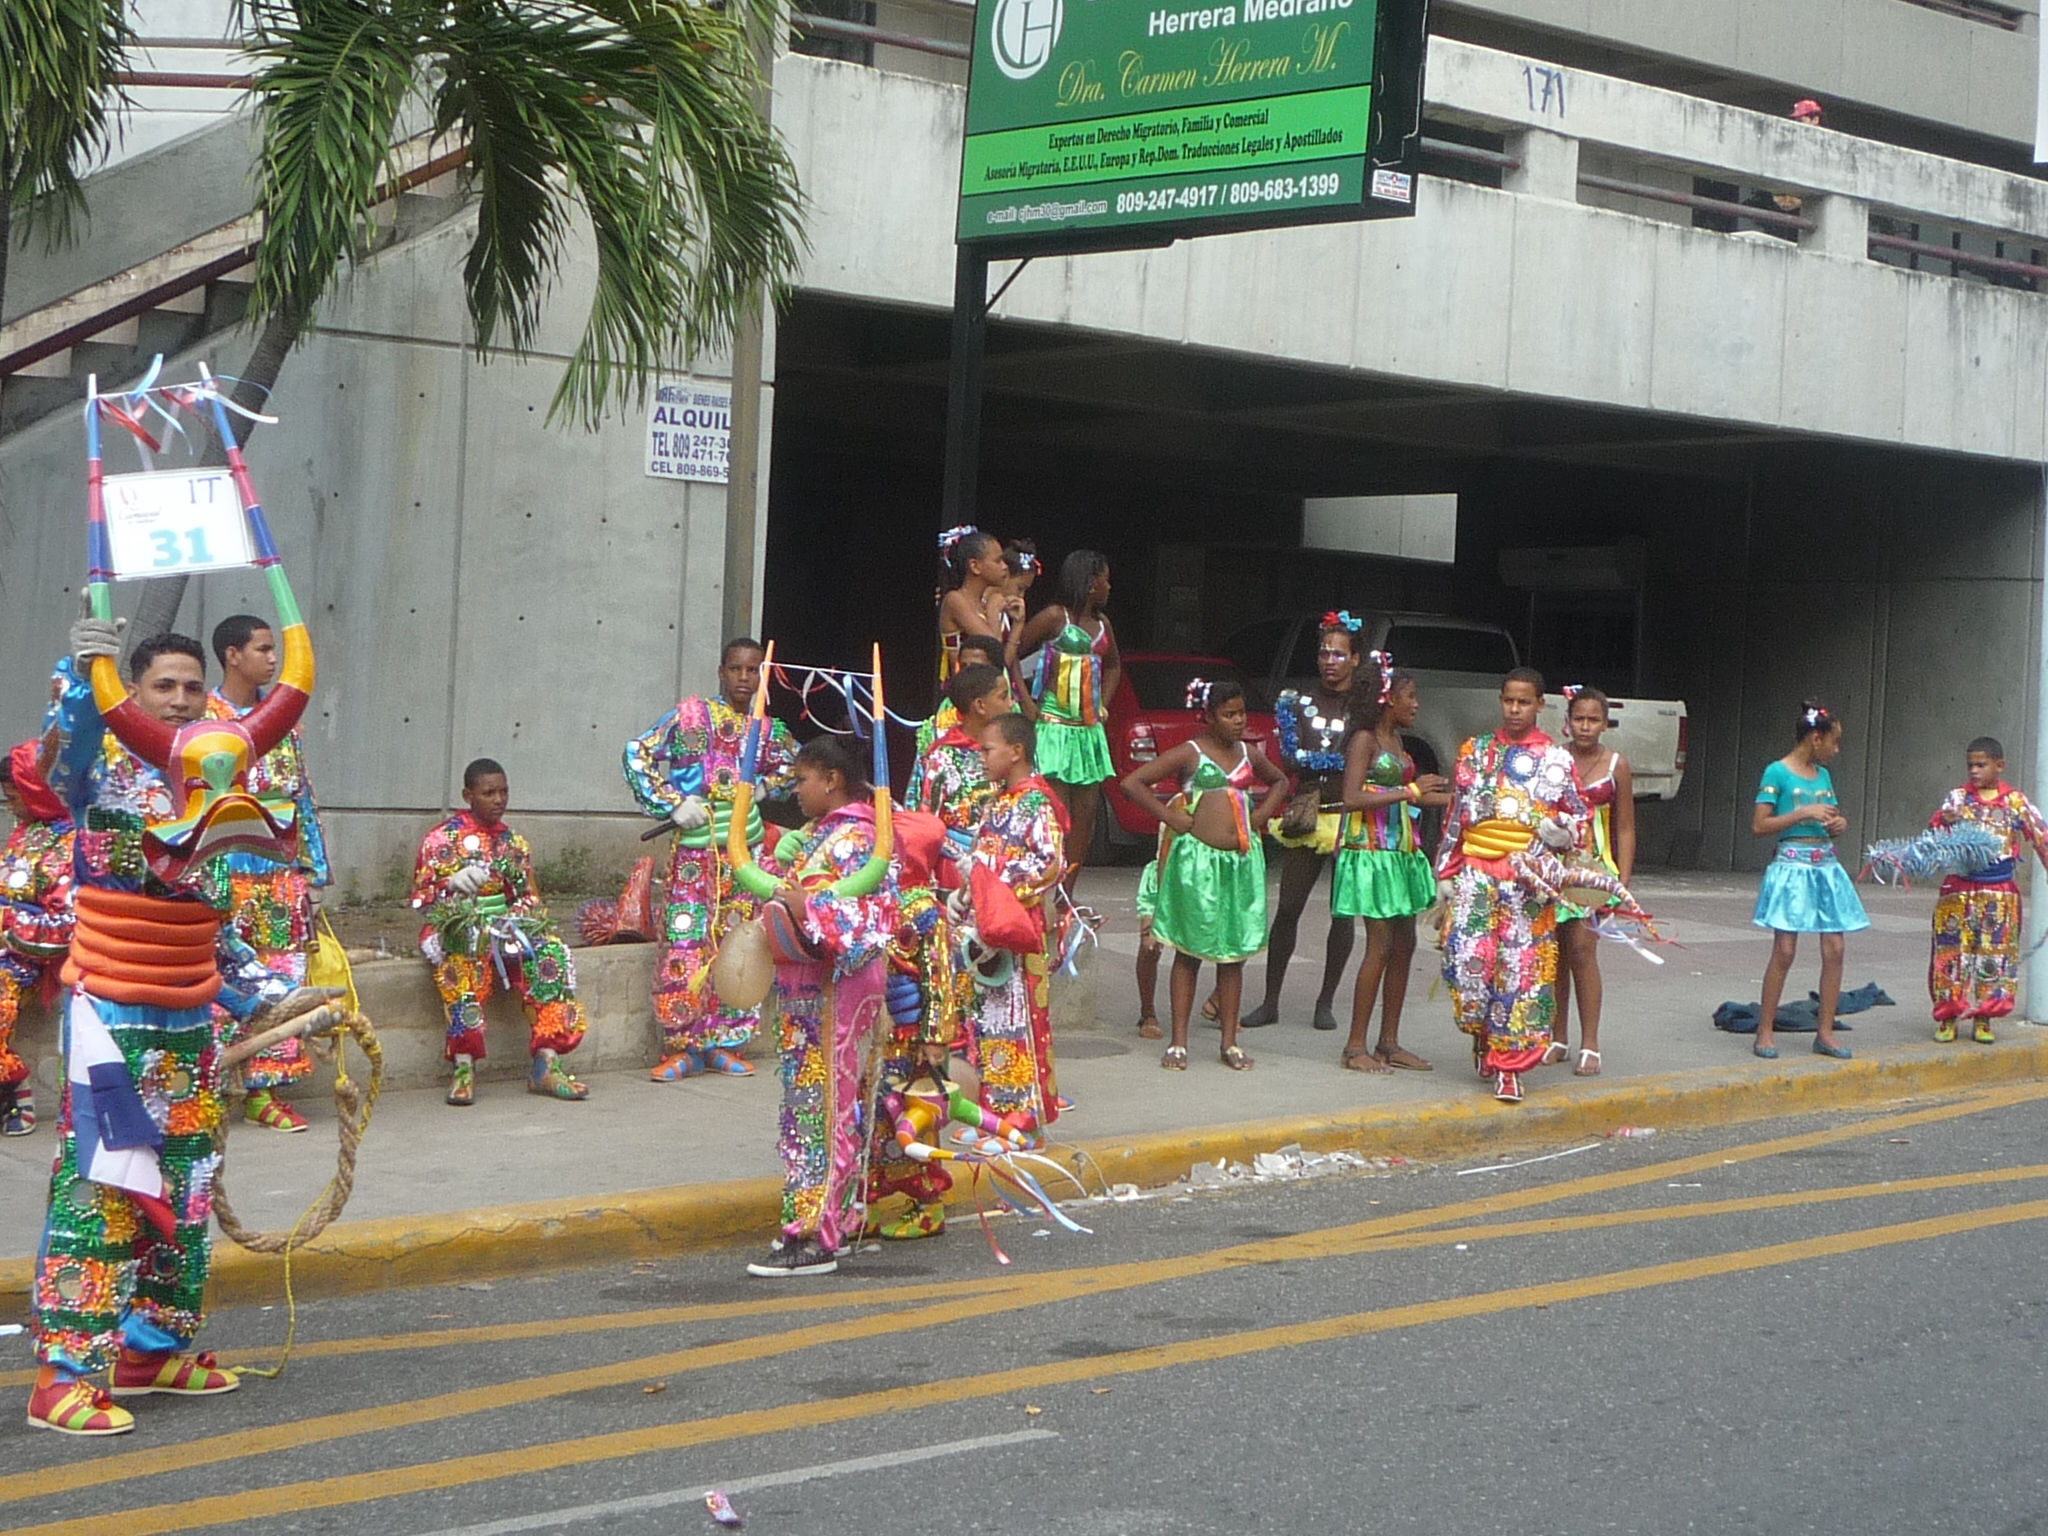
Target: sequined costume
924, 1009
1073, 748
929, 730
1311, 741
125, 1251
35, 905
1022, 842
1500, 945
954, 787
1382, 873
474, 950
1597, 835
1974, 970
829, 1015
273, 910
694, 750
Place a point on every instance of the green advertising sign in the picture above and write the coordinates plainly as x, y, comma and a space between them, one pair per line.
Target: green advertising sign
1093, 124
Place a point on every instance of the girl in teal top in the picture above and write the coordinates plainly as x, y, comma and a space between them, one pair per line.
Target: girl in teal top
1805, 889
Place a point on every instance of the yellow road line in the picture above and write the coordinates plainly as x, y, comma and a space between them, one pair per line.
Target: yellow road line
652, 1317
1008, 1294
462, 1471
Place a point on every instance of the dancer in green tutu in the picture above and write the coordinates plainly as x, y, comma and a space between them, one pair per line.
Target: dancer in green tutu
1078, 672
1211, 901
1382, 874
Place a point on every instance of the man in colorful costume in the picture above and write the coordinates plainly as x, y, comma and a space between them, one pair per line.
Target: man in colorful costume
684, 770
274, 901
1015, 864
487, 928
1513, 796
157, 794
923, 996
35, 916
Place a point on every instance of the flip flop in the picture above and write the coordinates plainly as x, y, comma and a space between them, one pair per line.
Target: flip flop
1401, 1059
1234, 1058
1350, 1059
1582, 1070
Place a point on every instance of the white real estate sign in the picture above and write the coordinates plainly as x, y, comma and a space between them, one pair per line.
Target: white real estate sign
689, 431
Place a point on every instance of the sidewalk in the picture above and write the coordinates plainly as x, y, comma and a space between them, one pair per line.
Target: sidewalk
424, 1158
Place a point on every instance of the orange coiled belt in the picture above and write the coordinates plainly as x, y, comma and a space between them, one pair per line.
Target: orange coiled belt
129, 948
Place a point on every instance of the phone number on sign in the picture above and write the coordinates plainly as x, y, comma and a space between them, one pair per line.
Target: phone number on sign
1272, 189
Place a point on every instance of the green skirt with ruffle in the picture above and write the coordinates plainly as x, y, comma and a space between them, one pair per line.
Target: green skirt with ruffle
1073, 754
1381, 883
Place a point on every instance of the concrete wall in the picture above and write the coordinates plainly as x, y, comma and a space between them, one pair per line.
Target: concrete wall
1528, 292
477, 582
1898, 58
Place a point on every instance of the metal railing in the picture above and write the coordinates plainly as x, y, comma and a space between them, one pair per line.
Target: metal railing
1775, 218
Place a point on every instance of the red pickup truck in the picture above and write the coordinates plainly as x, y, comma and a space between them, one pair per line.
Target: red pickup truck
1148, 714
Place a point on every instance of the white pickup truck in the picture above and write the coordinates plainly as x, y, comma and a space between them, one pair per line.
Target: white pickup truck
1458, 666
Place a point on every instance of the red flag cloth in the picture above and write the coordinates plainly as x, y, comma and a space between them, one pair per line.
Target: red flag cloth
1000, 918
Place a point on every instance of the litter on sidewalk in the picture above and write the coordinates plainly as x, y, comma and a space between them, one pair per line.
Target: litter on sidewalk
1288, 1163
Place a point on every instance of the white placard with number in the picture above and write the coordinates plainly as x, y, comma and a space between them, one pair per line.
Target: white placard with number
175, 522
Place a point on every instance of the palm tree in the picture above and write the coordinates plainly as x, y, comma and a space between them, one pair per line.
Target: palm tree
58, 59
641, 119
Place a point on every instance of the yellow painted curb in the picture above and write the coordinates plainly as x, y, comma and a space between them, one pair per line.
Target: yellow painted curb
495, 1241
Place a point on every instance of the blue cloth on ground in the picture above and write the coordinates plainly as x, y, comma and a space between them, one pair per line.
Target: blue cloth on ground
1802, 1016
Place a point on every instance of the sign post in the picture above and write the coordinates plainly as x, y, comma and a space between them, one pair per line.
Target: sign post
1096, 125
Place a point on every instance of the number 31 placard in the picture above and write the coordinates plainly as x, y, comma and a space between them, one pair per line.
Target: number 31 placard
175, 522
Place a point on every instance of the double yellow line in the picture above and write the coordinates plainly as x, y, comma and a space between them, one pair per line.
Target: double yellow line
951, 1302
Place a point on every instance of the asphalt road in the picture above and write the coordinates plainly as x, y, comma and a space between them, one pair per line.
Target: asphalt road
1820, 1325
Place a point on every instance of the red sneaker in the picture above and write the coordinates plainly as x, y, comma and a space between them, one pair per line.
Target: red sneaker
197, 1375
1507, 1087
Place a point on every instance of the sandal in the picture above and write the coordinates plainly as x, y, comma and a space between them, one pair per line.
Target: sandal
719, 1059
462, 1091
1175, 1059
1234, 1058
1148, 1028
551, 1080
1582, 1069
1555, 1052
1212, 1010
1350, 1060
1401, 1059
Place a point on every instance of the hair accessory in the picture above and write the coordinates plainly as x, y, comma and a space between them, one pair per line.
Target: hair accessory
1815, 718
1199, 689
1385, 663
1026, 561
1340, 618
1571, 691
953, 536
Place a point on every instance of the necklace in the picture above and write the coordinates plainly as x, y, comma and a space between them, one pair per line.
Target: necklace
1319, 753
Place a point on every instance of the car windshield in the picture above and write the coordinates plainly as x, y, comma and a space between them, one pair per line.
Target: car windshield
1164, 684
1451, 648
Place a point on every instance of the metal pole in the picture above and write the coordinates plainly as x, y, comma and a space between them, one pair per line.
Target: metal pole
963, 387
2037, 905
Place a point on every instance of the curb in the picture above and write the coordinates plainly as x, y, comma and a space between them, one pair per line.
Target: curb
491, 1242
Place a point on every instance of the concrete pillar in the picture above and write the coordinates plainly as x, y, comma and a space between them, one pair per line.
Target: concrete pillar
1844, 227
1549, 168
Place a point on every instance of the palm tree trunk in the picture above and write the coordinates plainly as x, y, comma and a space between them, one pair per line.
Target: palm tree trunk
158, 607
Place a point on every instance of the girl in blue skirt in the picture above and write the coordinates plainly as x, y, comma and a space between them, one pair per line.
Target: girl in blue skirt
1805, 889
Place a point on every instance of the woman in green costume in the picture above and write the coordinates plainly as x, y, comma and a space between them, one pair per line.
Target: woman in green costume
1078, 673
1211, 900
1382, 874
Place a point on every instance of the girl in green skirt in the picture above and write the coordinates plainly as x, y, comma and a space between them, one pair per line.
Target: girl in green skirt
1211, 899
1382, 874
1078, 673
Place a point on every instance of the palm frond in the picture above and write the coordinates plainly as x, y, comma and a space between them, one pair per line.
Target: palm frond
59, 106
